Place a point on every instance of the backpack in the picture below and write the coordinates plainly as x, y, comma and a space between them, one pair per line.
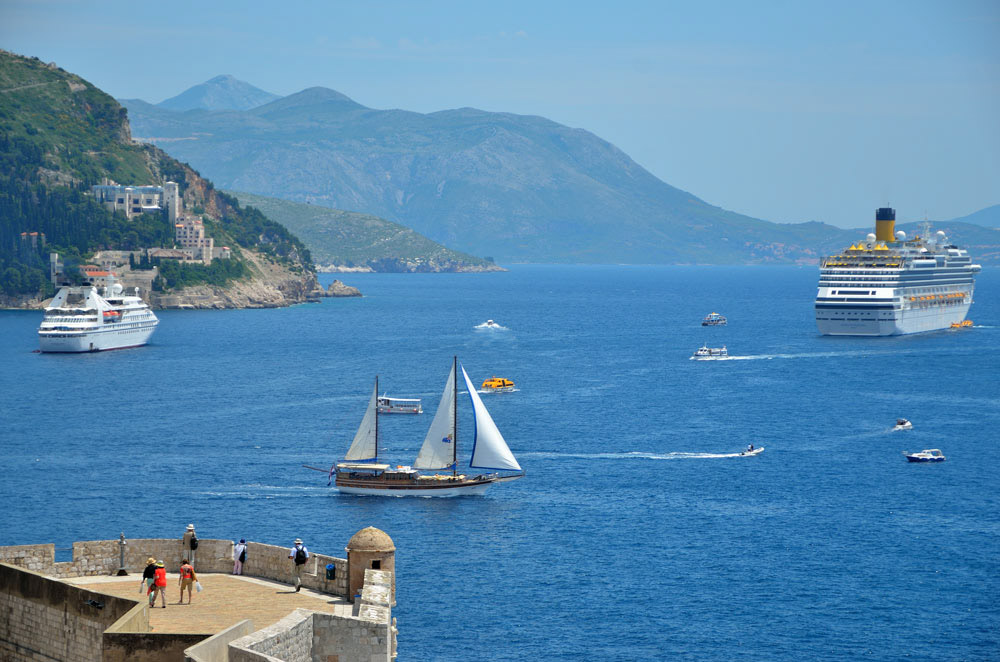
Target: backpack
243, 555
300, 555
194, 543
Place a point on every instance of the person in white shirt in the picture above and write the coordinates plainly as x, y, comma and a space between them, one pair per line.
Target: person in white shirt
239, 556
299, 556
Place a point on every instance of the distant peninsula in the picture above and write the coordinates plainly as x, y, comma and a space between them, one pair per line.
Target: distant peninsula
345, 242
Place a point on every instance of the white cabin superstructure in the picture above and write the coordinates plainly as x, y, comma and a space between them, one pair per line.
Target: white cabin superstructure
888, 285
86, 318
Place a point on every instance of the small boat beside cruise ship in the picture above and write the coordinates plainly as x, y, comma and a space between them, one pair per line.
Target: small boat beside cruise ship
86, 318
361, 472
387, 405
714, 319
706, 353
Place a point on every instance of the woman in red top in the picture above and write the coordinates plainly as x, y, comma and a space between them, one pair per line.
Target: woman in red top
186, 580
160, 583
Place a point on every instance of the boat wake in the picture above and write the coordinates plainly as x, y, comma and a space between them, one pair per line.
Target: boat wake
494, 390
800, 355
636, 455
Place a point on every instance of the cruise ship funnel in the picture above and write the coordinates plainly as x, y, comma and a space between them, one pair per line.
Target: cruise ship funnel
885, 224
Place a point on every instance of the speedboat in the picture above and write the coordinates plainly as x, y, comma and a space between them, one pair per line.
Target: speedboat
497, 385
706, 352
714, 319
902, 424
753, 451
964, 324
927, 455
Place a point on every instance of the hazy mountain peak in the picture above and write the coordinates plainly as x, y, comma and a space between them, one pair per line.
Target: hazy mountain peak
311, 96
220, 93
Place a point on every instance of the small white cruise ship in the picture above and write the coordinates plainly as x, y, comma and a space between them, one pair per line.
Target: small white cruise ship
87, 318
887, 285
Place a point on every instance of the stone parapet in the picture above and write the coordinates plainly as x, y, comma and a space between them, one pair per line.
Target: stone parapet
216, 647
272, 562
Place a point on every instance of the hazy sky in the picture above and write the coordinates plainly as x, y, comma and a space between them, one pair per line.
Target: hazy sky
787, 111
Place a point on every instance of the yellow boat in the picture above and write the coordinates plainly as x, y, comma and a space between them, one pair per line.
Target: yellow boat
964, 324
497, 384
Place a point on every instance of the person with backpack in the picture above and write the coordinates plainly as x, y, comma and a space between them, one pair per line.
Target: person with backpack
239, 556
186, 580
299, 555
148, 579
189, 543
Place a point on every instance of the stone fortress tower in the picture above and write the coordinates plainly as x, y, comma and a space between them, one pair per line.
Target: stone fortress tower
369, 549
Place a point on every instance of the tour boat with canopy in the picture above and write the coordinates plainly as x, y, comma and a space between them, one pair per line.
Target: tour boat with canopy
361, 472
387, 405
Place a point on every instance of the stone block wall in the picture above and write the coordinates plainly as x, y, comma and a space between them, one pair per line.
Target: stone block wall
272, 562
350, 639
47, 619
288, 640
216, 647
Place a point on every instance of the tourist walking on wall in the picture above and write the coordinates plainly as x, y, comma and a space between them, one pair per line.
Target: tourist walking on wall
299, 556
159, 584
186, 580
239, 556
189, 543
148, 577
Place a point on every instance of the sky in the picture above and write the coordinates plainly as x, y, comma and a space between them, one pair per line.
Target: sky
785, 111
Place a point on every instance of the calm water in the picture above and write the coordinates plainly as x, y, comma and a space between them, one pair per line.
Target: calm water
630, 538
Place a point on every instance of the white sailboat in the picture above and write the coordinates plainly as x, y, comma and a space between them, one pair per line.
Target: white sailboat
362, 473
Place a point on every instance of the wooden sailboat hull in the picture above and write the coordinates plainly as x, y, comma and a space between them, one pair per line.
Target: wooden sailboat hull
421, 488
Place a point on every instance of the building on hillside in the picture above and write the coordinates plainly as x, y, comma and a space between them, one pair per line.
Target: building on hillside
132, 200
35, 239
190, 233
172, 201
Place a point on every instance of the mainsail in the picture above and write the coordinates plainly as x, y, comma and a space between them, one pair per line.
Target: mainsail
489, 450
365, 444
438, 450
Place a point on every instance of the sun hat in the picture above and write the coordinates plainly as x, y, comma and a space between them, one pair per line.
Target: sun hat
159, 564
190, 527
298, 541
150, 560
243, 541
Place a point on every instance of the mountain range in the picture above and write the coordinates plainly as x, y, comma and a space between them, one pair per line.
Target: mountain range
515, 187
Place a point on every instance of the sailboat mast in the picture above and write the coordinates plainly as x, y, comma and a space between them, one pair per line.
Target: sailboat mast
376, 418
454, 415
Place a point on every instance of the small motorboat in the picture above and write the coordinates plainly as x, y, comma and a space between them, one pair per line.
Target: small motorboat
752, 451
490, 324
964, 324
706, 352
714, 319
497, 385
927, 455
902, 424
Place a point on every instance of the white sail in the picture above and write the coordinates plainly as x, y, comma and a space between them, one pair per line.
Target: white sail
365, 444
438, 451
489, 450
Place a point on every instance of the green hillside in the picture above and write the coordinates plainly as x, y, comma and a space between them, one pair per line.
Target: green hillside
348, 239
59, 135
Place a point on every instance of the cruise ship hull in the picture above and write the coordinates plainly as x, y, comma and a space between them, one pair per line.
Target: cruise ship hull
93, 341
870, 321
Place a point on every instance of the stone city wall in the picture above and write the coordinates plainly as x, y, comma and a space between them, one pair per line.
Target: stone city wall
216, 647
46, 619
288, 640
101, 557
272, 562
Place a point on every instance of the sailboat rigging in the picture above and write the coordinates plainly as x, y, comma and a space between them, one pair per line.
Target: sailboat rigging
361, 472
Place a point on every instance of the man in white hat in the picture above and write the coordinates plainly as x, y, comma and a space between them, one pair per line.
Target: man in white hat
189, 547
299, 556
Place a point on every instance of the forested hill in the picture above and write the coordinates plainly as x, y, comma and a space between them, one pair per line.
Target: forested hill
59, 135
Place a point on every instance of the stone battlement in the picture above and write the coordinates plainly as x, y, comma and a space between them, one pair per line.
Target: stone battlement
80, 609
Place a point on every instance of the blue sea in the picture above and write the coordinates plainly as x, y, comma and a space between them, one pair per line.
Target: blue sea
636, 533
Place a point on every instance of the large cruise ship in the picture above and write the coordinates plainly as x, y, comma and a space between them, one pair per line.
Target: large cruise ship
890, 285
82, 319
